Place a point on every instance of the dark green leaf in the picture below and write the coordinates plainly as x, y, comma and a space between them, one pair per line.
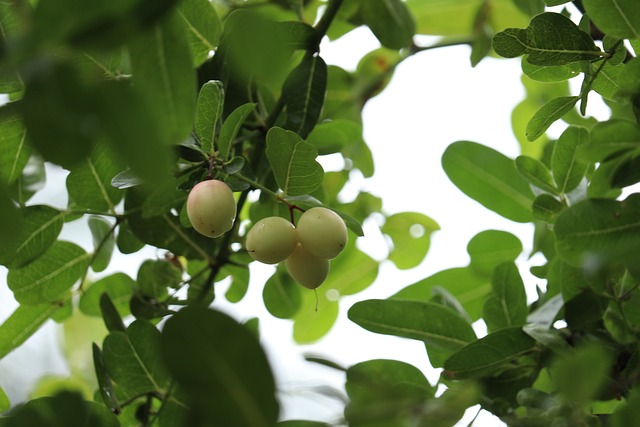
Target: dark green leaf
627, 172
390, 21
89, 184
31, 180
598, 230
507, 306
112, 319
488, 355
15, 152
155, 276
490, 178
546, 208
239, 286
490, 248
410, 233
21, 324
293, 162
49, 277
568, 170
218, 360
432, 323
618, 18
231, 127
281, 295
335, 135
301, 423
132, 361
611, 138
203, 27
118, 286
581, 374
550, 39
208, 111
548, 114
103, 242
42, 225
105, 386
550, 338
629, 413
163, 76
127, 242
534, 171
550, 73
304, 92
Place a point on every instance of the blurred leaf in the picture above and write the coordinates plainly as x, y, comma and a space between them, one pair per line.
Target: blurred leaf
155, 276
595, 231
103, 242
125, 179
611, 138
332, 136
163, 76
432, 323
5, 404
49, 278
281, 295
390, 21
89, 184
239, 282
21, 324
550, 39
132, 361
31, 180
218, 360
489, 354
15, 152
507, 306
127, 242
469, 287
580, 375
303, 92
568, 170
301, 423
203, 27
490, 248
490, 178
352, 272
550, 338
208, 111
293, 162
42, 225
231, 127
118, 286
629, 413
316, 316
548, 114
410, 233
620, 19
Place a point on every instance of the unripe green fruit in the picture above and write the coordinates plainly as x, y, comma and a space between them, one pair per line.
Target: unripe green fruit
211, 208
322, 232
271, 240
307, 269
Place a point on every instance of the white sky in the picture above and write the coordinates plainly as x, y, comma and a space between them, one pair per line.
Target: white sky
434, 99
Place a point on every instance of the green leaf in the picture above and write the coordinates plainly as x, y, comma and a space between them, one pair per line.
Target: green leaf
436, 325
208, 111
568, 170
490, 178
127, 242
534, 171
352, 272
163, 76
550, 73
550, 39
390, 21
15, 152
293, 162
31, 180
103, 242
304, 92
507, 306
488, 355
316, 316
617, 18
132, 361
203, 27
629, 413
465, 284
105, 386
598, 230
550, 338
281, 295
546, 208
239, 276
5, 403
109, 312
301, 423
218, 360
89, 184
118, 286
548, 114
49, 277
230, 128
410, 233
489, 248
155, 276
42, 225
611, 138
21, 324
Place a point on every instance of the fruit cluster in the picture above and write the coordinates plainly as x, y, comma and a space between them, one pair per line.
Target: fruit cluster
306, 249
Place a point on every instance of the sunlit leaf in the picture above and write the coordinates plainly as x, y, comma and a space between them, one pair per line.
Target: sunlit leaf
118, 286
410, 233
568, 169
490, 248
536, 172
548, 114
546, 208
208, 112
610, 138
21, 324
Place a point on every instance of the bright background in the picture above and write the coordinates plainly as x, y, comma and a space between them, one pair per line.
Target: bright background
434, 99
